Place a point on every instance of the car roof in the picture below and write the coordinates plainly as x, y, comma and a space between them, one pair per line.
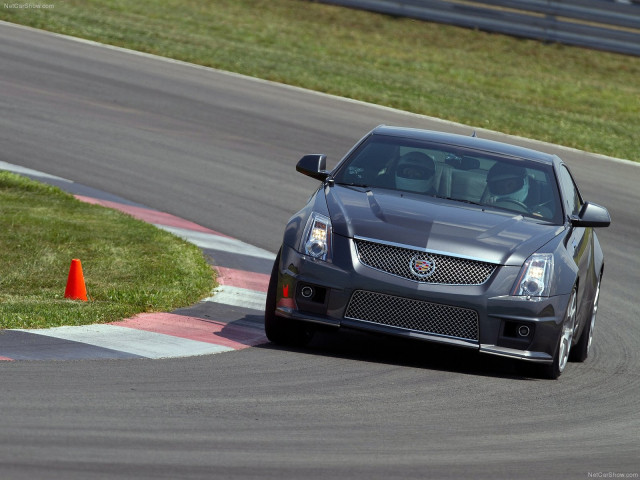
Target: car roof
465, 141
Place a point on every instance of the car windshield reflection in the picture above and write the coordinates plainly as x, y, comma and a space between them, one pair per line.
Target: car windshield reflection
454, 173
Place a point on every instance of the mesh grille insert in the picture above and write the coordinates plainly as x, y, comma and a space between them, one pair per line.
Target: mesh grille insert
422, 266
412, 314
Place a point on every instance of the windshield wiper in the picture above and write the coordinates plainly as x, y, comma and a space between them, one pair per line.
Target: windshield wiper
467, 201
361, 185
463, 200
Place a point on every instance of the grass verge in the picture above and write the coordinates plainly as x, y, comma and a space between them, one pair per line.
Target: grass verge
576, 97
129, 266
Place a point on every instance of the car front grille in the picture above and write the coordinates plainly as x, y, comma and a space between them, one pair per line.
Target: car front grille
417, 315
422, 266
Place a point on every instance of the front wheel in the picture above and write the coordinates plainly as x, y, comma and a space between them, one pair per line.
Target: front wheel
279, 330
563, 349
581, 351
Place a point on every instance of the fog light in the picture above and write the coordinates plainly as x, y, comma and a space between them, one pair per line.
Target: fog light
306, 292
523, 331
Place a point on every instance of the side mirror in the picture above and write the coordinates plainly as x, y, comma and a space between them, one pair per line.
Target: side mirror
314, 166
592, 215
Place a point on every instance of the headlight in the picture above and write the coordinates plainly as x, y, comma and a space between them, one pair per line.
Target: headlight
535, 277
316, 241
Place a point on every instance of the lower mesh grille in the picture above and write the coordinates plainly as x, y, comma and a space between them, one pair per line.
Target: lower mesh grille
411, 314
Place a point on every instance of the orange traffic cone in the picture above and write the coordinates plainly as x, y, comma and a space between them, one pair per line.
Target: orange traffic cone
76, 289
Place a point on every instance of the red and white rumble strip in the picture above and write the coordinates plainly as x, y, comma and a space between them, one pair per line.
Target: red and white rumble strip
160, 335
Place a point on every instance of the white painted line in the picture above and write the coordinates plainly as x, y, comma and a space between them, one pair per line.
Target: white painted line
217, 242
238, 297
130, 340
27, 171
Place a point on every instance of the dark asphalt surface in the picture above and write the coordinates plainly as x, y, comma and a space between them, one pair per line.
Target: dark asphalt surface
220, 150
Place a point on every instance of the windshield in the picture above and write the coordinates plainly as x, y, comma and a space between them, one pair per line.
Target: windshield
456, 173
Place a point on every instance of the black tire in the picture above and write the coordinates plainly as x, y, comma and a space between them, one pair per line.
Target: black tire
563, 348
580, 352
279, 330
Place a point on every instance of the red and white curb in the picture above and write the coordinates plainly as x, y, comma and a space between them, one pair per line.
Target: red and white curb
169, 335
159, 335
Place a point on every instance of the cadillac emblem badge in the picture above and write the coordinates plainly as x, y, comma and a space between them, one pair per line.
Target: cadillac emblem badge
422, 267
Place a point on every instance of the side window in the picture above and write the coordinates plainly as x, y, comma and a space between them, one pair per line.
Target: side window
572, 199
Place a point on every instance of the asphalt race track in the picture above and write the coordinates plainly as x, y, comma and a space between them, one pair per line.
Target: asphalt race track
220, 150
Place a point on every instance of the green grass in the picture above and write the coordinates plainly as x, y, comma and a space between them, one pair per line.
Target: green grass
129, 266
576, 97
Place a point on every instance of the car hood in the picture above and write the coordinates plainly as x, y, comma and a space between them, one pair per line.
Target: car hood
435, 224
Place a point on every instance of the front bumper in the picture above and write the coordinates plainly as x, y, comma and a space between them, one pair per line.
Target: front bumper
320, 293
